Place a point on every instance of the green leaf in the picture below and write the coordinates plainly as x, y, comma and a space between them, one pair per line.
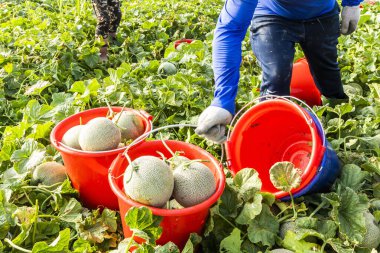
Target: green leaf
71, 211
352, 176
144, 223
60, 244
192, 243
83, 246
248, 183
230, 202
29, 156
37, 88
284, 176
168, 248
264, 228
232, 243
347, 212
250, 210
298, 246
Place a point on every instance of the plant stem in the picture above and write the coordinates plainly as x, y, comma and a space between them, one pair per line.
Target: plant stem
294, 209
225, 219
16, 246
317, 209
35, 223
285, 217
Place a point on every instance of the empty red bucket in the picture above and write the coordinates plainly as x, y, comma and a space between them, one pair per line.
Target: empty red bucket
177, 224
272, 131
302, 84
88, 170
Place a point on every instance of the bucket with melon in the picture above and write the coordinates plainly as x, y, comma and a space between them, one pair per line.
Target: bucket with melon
176, 180
89, 141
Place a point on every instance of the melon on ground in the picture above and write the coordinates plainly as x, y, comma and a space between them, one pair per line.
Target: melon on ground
149, 180
49, 173
99, 134
285, 227
193, 184
167, 68
71, 137
371, 238
131, 125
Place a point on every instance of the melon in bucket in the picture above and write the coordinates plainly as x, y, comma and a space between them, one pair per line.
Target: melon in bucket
177, 224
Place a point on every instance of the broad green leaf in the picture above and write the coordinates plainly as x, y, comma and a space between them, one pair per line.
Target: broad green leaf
144, 223
284, 176
29, 156
71, 211
37, 88
83, 246
192, 243
109, 219
352, 176
60, 244
167, 248
248, 183
347, 212
232, 243
230, 202
250, 210
264, 228
298, 246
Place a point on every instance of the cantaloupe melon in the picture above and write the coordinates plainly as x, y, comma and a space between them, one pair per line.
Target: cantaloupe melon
130, 123
167, 68
371, 238
149, 180
285, 227
49, 173
71, 137
193, 184
99, 134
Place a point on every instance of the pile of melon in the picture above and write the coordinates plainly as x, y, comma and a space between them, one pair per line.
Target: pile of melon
105, 133
172, 183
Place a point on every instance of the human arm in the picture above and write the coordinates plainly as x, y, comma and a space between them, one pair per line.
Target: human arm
230, 31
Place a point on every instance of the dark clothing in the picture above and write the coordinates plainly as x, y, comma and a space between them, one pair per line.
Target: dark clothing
108, 14
273, 40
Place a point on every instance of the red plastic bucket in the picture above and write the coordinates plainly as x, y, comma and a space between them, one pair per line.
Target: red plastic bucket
178, 42
272, 131
302, 84
88, 170
176, 224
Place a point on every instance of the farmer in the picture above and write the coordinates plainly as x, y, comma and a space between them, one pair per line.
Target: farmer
109, 15
275, 27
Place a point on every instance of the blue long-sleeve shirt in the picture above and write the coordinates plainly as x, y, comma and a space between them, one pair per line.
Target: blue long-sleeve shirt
232, 26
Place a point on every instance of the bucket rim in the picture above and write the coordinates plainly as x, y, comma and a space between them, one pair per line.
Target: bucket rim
167, 212
57, 144
316, 154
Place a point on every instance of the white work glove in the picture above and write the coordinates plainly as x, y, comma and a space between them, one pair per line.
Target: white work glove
350, 18
212, 124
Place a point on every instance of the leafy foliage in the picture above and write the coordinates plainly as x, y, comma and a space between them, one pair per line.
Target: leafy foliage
50, 69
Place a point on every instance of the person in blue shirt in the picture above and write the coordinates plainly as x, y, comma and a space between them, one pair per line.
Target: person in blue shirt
275, 27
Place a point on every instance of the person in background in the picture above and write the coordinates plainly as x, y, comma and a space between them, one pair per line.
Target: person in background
275, 27
108, 15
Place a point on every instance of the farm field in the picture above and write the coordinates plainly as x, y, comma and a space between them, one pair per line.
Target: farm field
50, 69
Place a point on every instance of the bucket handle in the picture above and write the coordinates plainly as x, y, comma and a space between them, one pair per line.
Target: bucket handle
138, 139
287, 98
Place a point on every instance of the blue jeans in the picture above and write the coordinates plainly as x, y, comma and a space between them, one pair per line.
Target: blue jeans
273, 41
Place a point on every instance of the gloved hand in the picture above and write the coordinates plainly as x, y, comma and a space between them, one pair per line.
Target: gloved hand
212, 123
350, 18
